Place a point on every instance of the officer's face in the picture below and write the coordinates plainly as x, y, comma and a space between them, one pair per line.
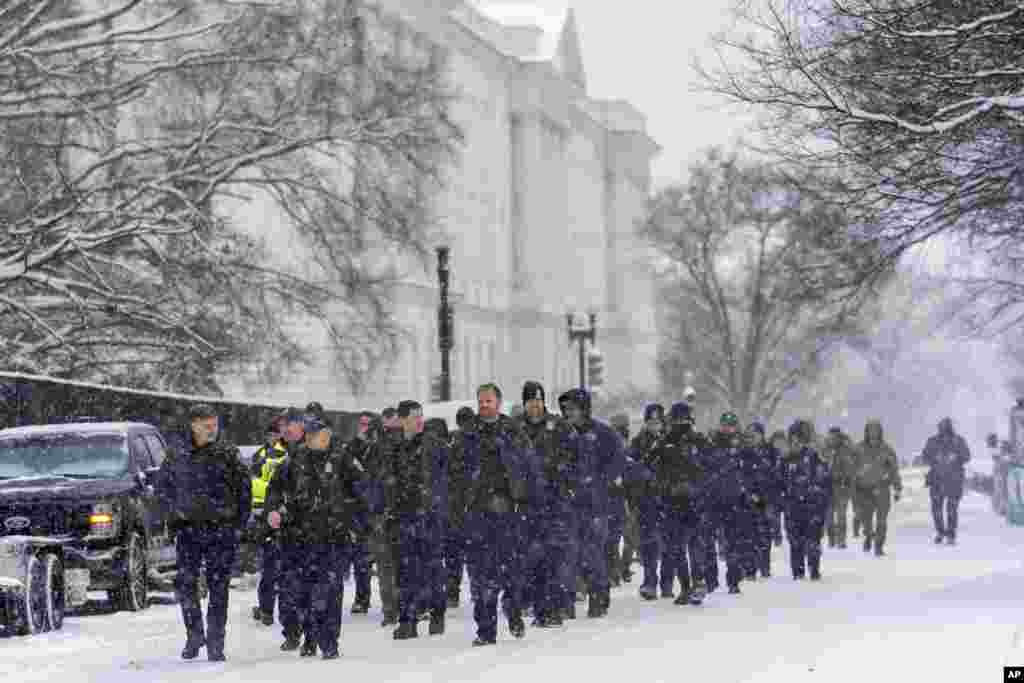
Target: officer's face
412, 424
728, 429
535, 407
364, 425
488, 404
574, 413
294, 431
318, 441
204, 430
654, 425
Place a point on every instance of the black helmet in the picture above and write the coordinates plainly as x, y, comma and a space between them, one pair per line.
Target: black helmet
532, 390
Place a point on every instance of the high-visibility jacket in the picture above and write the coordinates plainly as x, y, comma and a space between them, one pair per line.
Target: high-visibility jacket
271, 461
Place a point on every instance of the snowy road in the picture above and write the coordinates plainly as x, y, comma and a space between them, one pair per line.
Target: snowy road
924, 613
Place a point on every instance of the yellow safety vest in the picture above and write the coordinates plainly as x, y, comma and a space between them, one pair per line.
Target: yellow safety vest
260, 483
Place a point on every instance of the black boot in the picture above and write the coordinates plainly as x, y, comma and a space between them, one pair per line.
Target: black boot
195, 642
361, 605
938, 538
516, 626
453, 596
436, 624
309, 648
331, 653
389, 620
815, 573
867, 543
481, 642
405, 631
291, 643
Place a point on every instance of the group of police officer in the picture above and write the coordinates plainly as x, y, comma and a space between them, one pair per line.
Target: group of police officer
534, 509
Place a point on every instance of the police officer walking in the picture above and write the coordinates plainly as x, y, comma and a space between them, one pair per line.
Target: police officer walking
490, 453
360, 450
946, 454
314, 499
264, 463
421, 502
208, 492
807, 491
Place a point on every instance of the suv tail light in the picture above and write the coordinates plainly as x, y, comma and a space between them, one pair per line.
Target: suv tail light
103, 521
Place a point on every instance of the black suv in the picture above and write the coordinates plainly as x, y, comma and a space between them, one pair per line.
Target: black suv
90, 486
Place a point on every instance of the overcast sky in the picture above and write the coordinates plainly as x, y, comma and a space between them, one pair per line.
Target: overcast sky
640, 51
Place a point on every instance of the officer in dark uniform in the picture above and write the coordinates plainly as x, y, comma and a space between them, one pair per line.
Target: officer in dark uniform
491, 453
208, 492
359, 449
455, 535
545, 574
315, 498
679, 482
420, 473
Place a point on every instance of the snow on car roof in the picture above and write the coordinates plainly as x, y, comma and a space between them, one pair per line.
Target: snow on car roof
73, 427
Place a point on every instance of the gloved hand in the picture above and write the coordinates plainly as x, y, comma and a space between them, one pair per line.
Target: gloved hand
274, 519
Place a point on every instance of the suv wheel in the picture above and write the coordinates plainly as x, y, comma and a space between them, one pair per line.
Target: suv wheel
133, 596
32, 617
54, 591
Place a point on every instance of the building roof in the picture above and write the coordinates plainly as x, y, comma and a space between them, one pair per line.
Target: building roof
531, 34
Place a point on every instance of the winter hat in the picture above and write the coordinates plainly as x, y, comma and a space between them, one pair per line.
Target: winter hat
532, 390
757, 427
201, 411
314, 424
464, 416
681, 412
654, 411
407, 408
729, 420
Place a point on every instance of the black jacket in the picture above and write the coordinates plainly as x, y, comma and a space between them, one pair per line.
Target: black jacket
319, 496
207, 485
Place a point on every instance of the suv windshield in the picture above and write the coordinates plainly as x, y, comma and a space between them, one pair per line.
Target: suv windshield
77, 455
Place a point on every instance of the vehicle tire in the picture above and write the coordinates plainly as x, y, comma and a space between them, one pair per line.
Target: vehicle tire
133, 596
54, 591
32, 609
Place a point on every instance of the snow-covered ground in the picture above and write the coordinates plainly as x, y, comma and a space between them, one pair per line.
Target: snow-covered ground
924, 613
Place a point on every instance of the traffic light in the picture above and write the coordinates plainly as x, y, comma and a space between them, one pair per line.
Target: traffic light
435, 389
595, 368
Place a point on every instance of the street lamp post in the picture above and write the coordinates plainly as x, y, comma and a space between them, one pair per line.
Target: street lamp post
445, 328
581, 335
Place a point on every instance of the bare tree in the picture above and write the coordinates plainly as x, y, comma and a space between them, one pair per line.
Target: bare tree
916, 104
761, 281
133, 132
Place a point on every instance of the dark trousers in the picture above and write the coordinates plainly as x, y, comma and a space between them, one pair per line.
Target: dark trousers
492, 539
215, 548
684, 555
803, 529
361, 560
945, 524
764, 535
616, 527
313, 589
736, 523
270, 576
652, 522
589, 560
454, 558
416, 571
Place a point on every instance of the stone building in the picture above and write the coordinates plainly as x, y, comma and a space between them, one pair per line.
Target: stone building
540, 215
